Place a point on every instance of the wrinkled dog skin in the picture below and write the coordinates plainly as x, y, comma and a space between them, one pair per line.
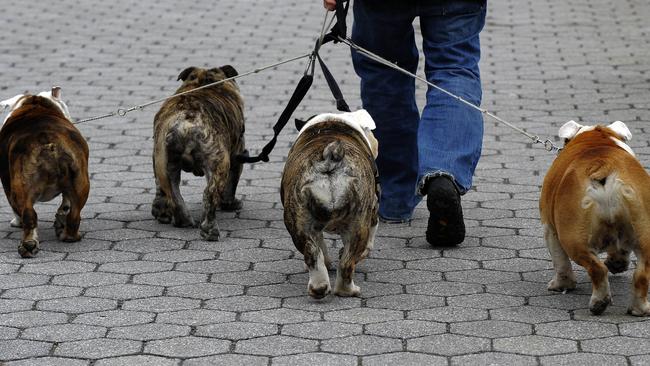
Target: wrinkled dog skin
200, 133
42, 155
595, 198
328, 184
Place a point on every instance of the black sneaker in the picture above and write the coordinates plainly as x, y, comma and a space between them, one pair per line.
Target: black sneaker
446, 226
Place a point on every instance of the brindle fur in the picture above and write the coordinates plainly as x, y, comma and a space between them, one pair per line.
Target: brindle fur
43, 155
201, 133
353, 210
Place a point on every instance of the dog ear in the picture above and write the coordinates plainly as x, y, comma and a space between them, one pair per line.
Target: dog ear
621, 129
300, 123
185, 73
11, 101
229, 71
569, 130
56, 92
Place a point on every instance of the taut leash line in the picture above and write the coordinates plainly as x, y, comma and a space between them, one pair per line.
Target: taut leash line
124, 111
548, 144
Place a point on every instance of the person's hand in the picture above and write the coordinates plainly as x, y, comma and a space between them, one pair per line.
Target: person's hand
329, 4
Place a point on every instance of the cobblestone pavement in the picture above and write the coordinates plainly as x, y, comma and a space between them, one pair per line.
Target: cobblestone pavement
135, 292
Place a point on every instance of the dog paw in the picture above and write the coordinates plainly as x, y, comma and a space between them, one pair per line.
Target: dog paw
69, 238
561, 285
16, 222
28, 248
598, 306
639, 310
161, 212
352, 291
233, 205
617, 265
210, 232
319, 292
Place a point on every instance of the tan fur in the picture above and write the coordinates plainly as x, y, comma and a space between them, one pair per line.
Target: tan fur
43, 155
329, 184
200, 132
595, 199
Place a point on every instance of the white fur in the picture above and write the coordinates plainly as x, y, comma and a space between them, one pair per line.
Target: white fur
11, 103
59, 103
318, 276
621, 129
608, 198
17, 101
359, 120
572, 129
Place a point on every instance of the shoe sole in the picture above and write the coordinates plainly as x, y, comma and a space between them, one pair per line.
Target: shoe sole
446, 226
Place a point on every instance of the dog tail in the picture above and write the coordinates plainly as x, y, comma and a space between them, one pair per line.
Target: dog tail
609, 193
328, 191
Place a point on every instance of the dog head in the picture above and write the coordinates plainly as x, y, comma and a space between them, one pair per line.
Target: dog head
53, 95
618, 131
196, 76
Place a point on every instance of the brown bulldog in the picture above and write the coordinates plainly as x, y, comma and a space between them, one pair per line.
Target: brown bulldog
200, 132
329, 184
42, 155
595, 198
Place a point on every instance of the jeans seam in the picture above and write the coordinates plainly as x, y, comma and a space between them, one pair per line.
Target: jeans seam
437, 173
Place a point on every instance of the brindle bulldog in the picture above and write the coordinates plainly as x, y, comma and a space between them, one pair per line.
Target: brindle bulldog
42, 155
201, 133
329, 184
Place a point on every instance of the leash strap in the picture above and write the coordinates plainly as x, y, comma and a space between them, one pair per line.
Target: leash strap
305, 83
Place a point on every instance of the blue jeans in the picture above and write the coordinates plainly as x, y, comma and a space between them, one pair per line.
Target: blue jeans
446, 139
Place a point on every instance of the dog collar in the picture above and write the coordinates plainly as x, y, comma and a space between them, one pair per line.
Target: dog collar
359, 121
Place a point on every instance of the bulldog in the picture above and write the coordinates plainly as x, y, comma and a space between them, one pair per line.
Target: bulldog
595, 198
201, 133
329, 184
42, 155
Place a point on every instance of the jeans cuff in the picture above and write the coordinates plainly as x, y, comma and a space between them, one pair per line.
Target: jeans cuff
437, 173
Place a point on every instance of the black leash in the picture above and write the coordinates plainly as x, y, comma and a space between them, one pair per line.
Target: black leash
339, 29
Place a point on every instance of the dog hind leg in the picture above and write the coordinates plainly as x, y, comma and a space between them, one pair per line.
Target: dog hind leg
640, 305
211, 200
228, 200
77, 196
564, 278
600, 294
181, 215
355, 243
29, 244
59, 217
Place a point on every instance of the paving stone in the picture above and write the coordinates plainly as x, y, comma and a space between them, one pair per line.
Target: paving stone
492, 328
26, 319
185, 347
102, 256
90, 279
181, 255
238, 330
205, 291
442, 264
243, 303
136, 267
161, 304
316, 358
147, 332
276, 346
97, 348
640, 329
327, 304
124, 291
493, 358
449, 314
535, 345
280, 316
583, 359
405, 329
363, 315
255, 255
404, 358
8, 333
77, 304
635, 360
405, 302
213, 266
48, 361
63, 332
169, 278
115, 318
15, 349
17, 280
444, 288
530, 314
228, 359
405, 276
576, 330
43, 292
150, 245
58, 268
13, 305
617, 345
195, 317
142, 360
481, 276
248, 278
448, 344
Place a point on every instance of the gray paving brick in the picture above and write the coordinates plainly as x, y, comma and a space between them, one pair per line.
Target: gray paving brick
12, 305
448, 345
315, 358
405, 276
583, 359
185, 347
140, 360
16, 349
25, 319
195, 317
535, 345
77, 304
493, 358
404, 358
213, 266
617, 345
363, 315
124, 291
115, 318
17, 280
135, 267
90, 279
576, 330
43, 292
161, 304
205, 291
243, 303
239, 330
147, 332
8, 333
530, 314
280, 316
405, 302
48, 361
97, 348
276, 346
448, 314
63, 332
405, 329
228, 359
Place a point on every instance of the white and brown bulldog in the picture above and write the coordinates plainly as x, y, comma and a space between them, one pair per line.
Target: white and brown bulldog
201, 133
596, 198
42, 155
329, 184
